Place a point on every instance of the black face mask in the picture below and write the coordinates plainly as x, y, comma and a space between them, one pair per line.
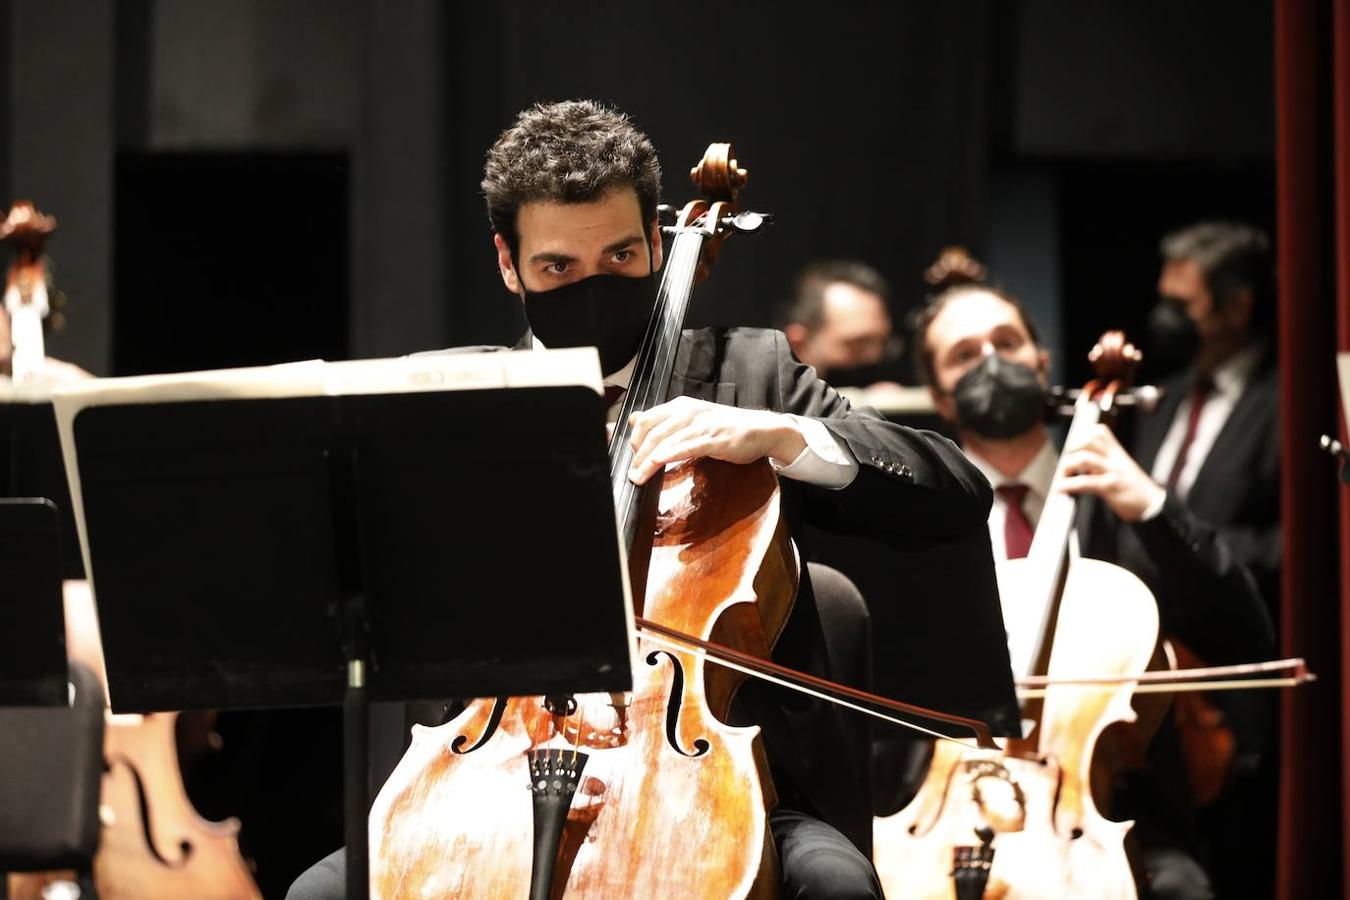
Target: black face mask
1172, 337
608, 312
999, 399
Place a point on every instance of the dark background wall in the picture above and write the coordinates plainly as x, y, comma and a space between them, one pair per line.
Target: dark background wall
242, 181
1057, 139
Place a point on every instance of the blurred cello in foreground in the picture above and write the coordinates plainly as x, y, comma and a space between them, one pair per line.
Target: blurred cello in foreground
646, 794
152, 843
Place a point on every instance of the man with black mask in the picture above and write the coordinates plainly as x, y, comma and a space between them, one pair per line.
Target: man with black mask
1215, 439
572, 191
979, 355
837, 321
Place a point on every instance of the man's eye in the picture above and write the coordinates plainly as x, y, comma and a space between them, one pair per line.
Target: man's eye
623, 256
557, 268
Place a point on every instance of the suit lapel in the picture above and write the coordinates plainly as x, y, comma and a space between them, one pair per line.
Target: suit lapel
1244, 424
697, 366
1151, 430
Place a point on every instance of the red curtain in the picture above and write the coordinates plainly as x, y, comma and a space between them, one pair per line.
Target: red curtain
1341, 213
1312, 91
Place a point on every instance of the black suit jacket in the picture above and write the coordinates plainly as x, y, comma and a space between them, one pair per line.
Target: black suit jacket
1237, 490
914, 489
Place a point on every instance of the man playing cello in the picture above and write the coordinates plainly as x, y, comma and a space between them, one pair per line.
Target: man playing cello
572, 190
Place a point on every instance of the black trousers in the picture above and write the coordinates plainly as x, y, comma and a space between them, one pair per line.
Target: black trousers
818, 863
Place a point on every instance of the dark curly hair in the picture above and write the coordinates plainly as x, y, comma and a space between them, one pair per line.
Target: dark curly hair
570, 152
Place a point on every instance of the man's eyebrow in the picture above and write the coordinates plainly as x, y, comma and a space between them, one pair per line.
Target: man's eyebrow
623, 244
552, 258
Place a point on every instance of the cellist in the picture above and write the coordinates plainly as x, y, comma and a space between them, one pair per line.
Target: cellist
978, 352
572, 191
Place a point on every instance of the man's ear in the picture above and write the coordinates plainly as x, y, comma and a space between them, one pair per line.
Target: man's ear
505, 266
1043, 364
1241, 304
796, 334
943, 403
657, 254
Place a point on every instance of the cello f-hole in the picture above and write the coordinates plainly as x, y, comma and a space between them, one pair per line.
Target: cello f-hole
498, 708
701, 746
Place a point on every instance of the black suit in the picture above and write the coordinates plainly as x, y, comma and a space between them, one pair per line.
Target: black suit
1237, 489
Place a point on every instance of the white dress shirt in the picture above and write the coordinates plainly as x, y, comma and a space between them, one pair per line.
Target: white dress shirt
1037, 476
1230, 379
824, 461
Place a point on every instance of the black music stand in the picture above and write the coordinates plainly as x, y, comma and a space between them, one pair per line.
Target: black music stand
31, 466
323, 550
32, 624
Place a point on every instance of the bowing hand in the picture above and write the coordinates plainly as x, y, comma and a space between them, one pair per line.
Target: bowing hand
1101, 466
685, 428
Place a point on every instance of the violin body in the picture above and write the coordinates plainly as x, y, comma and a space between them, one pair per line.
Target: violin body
662, 773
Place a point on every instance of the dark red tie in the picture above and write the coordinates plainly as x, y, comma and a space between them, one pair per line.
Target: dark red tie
1017, 530
1204, 387
612, 394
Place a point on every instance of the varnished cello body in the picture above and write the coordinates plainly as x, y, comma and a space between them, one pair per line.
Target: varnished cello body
1025, 823
153, 844
1036, 797
658, 812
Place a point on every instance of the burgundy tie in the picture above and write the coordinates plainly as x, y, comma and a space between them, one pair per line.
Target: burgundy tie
1017, 530
1203, 388
612, 394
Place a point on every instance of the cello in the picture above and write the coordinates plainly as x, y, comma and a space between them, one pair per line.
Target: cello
1023, 822
646, 793
152, 843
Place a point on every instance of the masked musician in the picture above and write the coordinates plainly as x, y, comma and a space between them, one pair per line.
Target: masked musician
977, 350
837, 321
572, 192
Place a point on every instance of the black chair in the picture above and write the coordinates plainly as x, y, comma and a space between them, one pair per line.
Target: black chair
51, 771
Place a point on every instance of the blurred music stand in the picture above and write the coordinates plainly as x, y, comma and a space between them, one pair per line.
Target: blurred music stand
302, 550
32, 624
31, 464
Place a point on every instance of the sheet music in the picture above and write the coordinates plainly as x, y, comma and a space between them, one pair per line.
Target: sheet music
579, 366
27, 392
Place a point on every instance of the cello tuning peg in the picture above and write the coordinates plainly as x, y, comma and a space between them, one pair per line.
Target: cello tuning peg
58, 321
747, 222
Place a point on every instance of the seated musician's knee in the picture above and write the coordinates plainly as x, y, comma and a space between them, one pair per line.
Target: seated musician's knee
325, 880
818, 862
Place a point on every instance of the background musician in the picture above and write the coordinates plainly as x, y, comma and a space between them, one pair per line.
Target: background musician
837, 319
572, 190
978, 352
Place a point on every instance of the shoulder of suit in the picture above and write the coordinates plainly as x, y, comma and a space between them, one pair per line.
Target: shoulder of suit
738, 337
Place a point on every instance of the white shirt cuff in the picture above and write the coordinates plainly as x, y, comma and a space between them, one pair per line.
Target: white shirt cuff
824, 462
1154, 508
